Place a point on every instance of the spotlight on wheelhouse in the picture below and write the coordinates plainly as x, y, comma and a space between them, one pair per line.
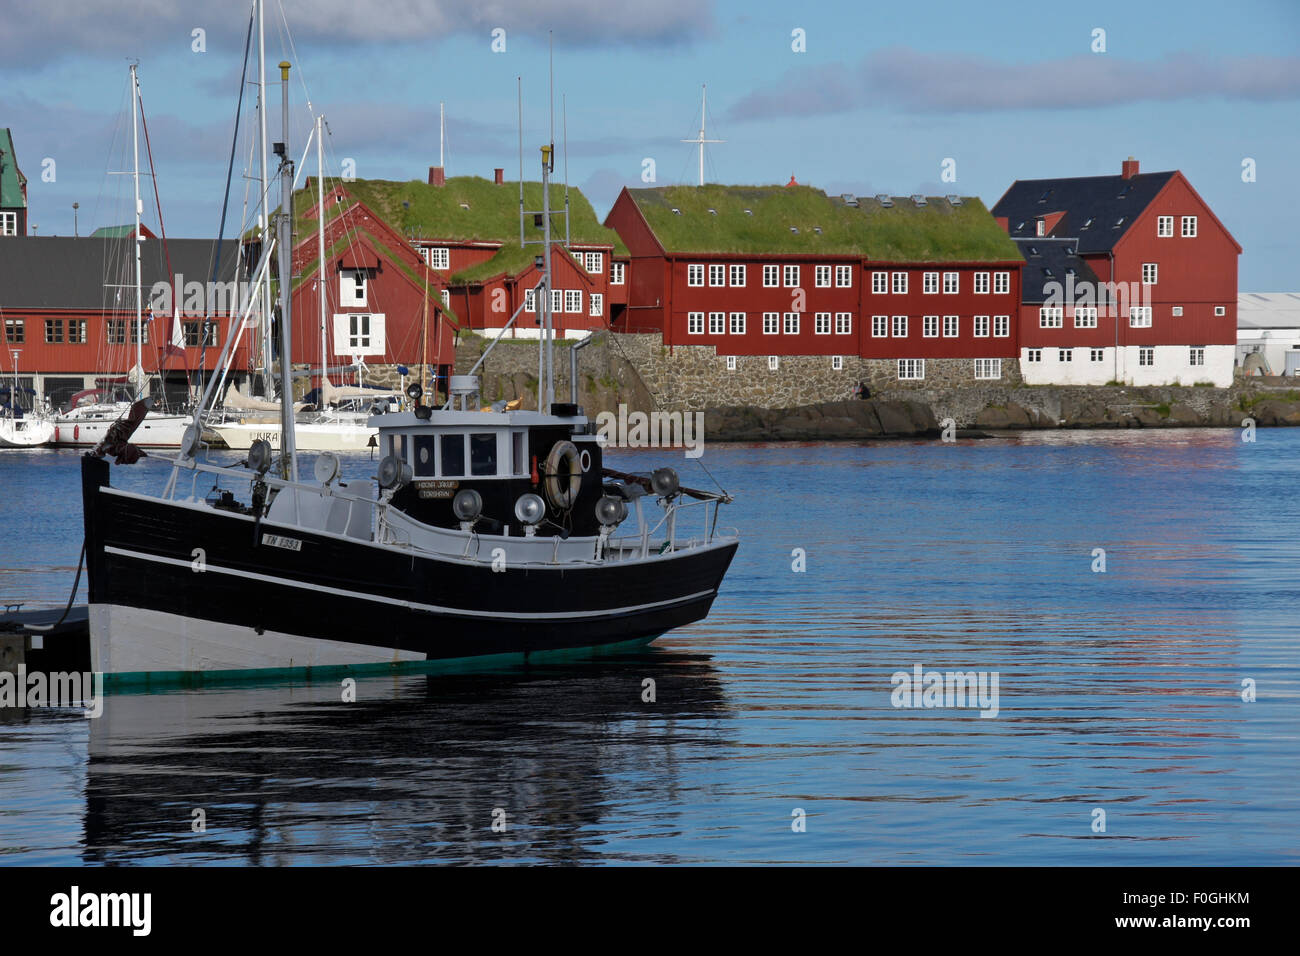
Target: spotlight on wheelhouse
467, 506
393, 473
530, 509
664, 482
610, 511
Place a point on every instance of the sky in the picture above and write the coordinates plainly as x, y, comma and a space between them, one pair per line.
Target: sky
846, 96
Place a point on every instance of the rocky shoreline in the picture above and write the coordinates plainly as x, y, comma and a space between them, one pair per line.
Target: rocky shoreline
1019, 409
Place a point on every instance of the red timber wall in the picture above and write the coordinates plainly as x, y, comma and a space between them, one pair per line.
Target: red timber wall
489, 305
647, 268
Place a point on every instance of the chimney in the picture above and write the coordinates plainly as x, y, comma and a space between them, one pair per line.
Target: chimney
437, 176
499, 176
1130, 168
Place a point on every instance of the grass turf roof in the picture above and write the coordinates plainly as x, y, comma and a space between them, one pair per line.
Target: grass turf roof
435, 212
938, 231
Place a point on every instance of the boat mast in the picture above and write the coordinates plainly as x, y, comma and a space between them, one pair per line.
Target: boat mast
548, 155
288, 458
135, 152
320, 272
263, 219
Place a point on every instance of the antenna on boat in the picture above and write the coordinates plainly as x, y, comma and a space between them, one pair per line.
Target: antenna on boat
135, 238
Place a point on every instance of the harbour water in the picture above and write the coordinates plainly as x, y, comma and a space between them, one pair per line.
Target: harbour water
773, 734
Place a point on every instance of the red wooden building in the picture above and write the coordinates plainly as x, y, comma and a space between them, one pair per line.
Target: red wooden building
792, 271
1129, 278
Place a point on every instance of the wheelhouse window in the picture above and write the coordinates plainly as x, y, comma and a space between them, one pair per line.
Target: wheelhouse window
483, 453
453, 455
425, 462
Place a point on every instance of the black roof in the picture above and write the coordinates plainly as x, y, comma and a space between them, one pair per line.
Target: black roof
1098, 209
1050, 260
56, 272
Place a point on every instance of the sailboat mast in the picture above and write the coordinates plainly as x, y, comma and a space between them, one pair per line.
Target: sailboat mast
288, 456
263, 218
548, 153
320, 231
135, 153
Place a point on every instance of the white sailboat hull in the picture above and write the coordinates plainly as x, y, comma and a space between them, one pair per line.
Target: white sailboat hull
25, 432
156, 431
328, 436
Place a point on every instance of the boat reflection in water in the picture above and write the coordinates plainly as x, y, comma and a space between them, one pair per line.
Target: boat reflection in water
418, 768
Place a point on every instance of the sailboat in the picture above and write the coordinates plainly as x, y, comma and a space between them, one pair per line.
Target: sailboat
19, 427
94, 411
492, 535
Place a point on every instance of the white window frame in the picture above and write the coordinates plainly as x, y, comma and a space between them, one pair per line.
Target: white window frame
596, 303
694, 323
773, 363
880, 326
354, 288
731, 363
771, 277
8, 223
557, 301
981, 283
1001, 283
1033, 355
911, 370
821, 323
1096, 355
879, 283
930, 283
1187, 228
837, 363
930, 326
1220, 310
695, 275
1164, 227
1085, 317
790, 325
439, 257
951, 326
736, 275
899, 327
899, 285
822, 277
1196, 355
1001, 326
595, 262
1146, 357
1176, 311
530, 300
988, 368
717, 323
951, 283
1051, 317
1150, 273
981, 327
790, 275
738, 322
843, 323
717, 275
617, 273
771, 323
844, 277
1065, 355
573, 301
1139, 316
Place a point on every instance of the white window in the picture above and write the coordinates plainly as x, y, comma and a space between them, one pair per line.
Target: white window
1001, 283
1085, 317
1177, 311
771, 277
1139, 316
530, 300
930, 326
981, 327
557, 300
1146, 356
951, 325
1041, 227
352, 287
771, 323
738, 323
357, 333
737, 275
981, 283
822, 277
1196, 355
988, 368
1034, 355
911, 368
1189, 227
900, 283
1164, 226
731, 363
597, 304
773, 363
879, 283
717, 323
844, 277
1220, 310
439, 257
617, 273
695, 275
1001, 326
1149, 271
791, 277
792, 323
879, 326
1065, 355
717, 275
1051, 317
573, 300
930, 283
837, 363
695, 323
445, 295
595, 262
1096, 355
950, 283
822, 323
843, 323
8, 223
900, 326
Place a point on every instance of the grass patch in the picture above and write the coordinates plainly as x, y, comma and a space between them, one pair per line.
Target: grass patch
1163, 409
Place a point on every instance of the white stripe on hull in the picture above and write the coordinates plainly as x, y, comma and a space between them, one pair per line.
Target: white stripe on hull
131, 640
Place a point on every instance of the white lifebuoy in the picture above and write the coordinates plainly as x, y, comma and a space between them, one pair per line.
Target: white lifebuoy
562, 494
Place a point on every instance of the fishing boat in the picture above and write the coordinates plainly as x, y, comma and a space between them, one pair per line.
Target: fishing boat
486, 534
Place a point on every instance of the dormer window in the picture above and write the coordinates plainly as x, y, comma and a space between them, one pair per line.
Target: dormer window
1042, 228
352, 288
1086, 224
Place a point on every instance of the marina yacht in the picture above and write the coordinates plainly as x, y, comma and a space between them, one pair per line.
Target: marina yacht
94, 411
22, 427
486, 534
